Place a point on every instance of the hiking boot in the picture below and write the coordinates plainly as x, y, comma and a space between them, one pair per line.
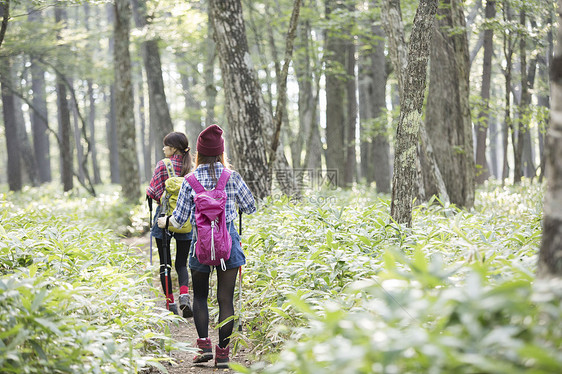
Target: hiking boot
172, 307
185, 305
206, 351
221, 357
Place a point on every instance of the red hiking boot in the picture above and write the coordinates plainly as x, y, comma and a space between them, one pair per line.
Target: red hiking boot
205, 351
221, 357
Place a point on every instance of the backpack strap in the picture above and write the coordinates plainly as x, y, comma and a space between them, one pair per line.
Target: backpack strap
194, 183
221, 184
169, 167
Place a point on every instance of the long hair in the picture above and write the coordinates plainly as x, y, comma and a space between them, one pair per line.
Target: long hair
179, 141
202, 160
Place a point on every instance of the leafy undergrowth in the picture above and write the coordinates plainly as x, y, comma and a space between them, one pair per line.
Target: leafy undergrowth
72, 298
333, 286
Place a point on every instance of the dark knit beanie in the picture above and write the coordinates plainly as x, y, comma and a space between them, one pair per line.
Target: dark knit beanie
210, 141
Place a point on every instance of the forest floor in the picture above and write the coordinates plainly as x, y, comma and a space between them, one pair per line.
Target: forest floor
184, 332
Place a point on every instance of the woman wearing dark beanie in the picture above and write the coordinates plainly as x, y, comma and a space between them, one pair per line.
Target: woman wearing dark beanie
177, 154
210, 163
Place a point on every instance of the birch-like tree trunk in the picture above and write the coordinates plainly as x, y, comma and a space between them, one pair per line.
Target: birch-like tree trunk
209, 73
405, 159
245, 107
483, 123
550, 256
124, 103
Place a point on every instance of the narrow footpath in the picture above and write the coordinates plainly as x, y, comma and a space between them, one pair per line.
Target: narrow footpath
184, 332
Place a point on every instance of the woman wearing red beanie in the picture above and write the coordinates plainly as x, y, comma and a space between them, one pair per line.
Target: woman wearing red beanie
210, 163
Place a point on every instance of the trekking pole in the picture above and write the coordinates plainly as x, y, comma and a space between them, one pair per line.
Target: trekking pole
240, 276
149, 201
165, 250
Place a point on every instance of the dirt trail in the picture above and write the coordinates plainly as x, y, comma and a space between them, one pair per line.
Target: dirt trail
184, 332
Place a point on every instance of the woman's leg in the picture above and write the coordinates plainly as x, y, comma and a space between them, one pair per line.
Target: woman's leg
225, 295
182, 252
160, 245
200, 281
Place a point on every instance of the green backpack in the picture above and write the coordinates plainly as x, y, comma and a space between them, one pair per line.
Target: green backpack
170, 197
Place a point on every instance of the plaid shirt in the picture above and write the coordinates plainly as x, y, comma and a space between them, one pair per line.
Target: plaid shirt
156, 187
236, 190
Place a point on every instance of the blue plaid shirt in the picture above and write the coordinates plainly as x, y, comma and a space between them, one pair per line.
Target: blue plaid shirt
236, 190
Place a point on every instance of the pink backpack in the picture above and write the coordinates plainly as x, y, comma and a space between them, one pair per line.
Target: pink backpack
213, 239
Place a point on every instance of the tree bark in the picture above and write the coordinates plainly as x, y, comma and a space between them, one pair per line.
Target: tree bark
448, 120
5, 14
335, 97
15, 182
519, 140
245, 107
209, 72
65, 132
160, 119
405, 160
111, 122
39, 115
128, 164
483, 123
550, 256
350, 142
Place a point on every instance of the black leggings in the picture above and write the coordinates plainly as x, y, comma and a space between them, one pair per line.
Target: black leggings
182, 251
226, 281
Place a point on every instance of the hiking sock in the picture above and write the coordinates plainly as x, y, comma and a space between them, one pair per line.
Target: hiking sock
184, 290
170, 298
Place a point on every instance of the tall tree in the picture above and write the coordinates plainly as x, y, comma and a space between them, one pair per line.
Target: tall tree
10, 127
483, 123
550, 256
209, 73
351, 123
160, 119
411, 102
39, 114
375, 147
128, 163
245, 107
448, 121
111, 122
335, 94
5, 15
65, 132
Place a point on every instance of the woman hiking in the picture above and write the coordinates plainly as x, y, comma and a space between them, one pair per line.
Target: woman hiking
176, 149
211, 164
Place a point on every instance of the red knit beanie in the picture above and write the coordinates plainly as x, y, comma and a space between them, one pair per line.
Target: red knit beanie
210, 141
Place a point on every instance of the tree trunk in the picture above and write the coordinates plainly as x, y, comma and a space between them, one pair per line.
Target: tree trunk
508, 123
92, 108
335, 98
209, 72
5, 15
160, 119
350, 154
405, 160
65, 132
10, 127
39, 115
245, 107
144, 133
519, 138
128, 164
111, 121
550, 256
448, 121
192, 107
483, 122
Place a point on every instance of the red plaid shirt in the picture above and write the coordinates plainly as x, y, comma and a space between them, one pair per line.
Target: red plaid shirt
156, 187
